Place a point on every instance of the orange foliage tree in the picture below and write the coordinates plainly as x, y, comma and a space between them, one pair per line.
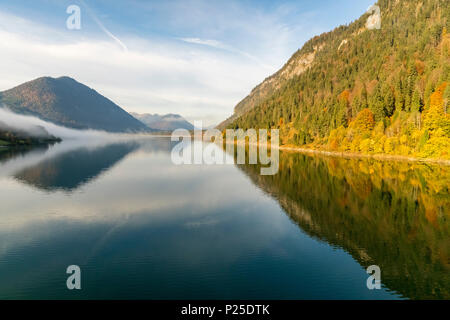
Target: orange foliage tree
364, 121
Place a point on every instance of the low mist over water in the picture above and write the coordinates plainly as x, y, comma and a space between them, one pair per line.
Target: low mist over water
28, 123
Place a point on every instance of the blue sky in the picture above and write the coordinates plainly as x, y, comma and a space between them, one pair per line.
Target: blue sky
192, 57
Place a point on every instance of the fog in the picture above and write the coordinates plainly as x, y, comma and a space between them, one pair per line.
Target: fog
72, 139
31, 125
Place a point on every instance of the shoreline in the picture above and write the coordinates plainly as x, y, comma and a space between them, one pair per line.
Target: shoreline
353, 155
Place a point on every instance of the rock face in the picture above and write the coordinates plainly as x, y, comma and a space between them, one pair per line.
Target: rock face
168, 122
69, 103
297, 64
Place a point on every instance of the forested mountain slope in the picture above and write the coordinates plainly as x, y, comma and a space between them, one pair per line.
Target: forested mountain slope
69, 103
364, 90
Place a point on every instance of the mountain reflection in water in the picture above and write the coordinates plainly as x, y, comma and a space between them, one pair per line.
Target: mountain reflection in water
141, 227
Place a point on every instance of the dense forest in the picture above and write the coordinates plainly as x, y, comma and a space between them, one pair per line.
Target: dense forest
371, 91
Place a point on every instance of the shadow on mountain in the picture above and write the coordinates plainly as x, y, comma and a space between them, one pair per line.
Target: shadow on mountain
394, 215
71, 170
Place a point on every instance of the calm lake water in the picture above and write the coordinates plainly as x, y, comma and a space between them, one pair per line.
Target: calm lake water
141, 227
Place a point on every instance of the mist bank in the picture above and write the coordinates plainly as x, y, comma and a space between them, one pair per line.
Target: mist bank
36, 127
72, 139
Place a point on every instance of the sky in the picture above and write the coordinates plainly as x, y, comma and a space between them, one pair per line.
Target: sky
197, 58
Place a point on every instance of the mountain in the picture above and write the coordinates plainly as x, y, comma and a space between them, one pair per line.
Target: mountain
362, 89
69, 103
11, 136
297, 64
168, 122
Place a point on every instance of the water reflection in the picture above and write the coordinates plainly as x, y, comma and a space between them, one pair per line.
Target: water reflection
8, 154
70, 165
71, 170
141, 227
392, 214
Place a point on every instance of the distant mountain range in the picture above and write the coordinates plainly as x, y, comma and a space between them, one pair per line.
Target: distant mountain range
168, 122
69, 103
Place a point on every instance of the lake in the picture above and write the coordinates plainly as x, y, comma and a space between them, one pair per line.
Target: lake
141, 227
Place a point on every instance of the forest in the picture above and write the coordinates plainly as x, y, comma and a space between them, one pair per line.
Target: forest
383, 91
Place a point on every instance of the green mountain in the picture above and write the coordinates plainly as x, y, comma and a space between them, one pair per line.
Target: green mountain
69, 103
362, 89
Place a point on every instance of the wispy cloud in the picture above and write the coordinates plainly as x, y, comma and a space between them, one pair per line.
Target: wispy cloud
154, 76
101, 25
221, 46
206, 42
198, 58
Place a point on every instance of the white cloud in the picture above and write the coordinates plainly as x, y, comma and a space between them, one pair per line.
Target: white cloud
206, 42
219, 45
198, 58
155, 75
